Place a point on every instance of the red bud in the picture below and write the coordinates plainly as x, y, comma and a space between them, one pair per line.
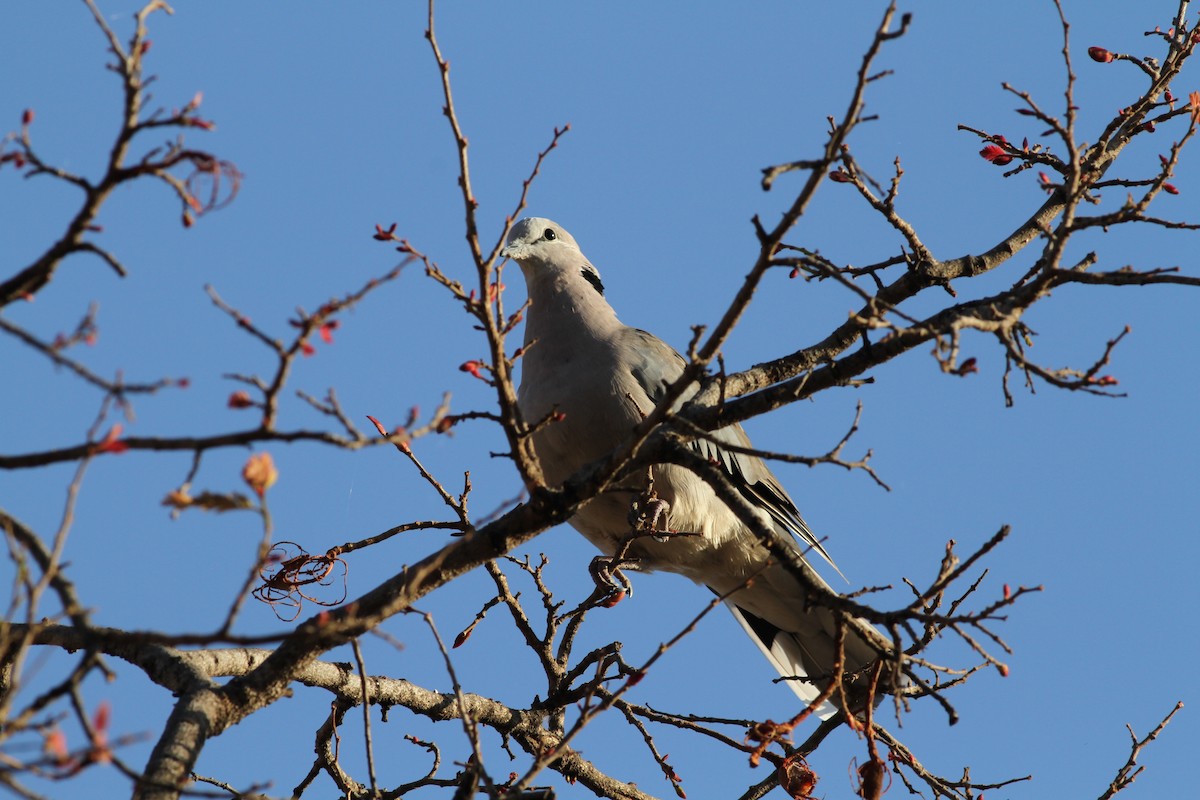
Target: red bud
240, 399
611, 601
111, 443
472, 368
1101, 55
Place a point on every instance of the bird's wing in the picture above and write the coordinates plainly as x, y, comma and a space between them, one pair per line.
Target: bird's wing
654, 364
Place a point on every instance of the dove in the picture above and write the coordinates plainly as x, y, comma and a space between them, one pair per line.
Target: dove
600, 378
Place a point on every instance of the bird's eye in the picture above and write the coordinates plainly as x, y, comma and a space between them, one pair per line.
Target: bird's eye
549, 235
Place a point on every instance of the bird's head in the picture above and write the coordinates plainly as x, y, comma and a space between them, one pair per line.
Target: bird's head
542, 246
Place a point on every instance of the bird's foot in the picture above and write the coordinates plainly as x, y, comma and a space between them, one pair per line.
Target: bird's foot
648, 515
612, 585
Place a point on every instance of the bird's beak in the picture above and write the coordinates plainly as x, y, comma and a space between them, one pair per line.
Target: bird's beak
513, 251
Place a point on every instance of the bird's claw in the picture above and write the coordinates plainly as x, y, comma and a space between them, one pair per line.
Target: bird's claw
609, 579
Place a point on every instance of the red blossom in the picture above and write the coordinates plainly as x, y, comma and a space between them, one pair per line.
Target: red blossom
795, 273
461, 639
995, 154
840, 176
1105, 380
446, 423
1003, 670
145, 47
1169, 188
27, 117
1007, 592
307, 349
967, 367
1148, 126
1101, 55
183, 383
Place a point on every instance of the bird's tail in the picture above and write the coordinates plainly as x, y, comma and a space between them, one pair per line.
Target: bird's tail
799, 640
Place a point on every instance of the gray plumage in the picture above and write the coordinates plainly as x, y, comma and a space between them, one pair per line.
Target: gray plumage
605, 377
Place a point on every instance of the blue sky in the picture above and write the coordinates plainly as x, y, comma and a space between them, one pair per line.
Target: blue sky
333, 115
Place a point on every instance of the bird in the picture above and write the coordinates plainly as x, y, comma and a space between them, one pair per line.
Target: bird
591, 380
